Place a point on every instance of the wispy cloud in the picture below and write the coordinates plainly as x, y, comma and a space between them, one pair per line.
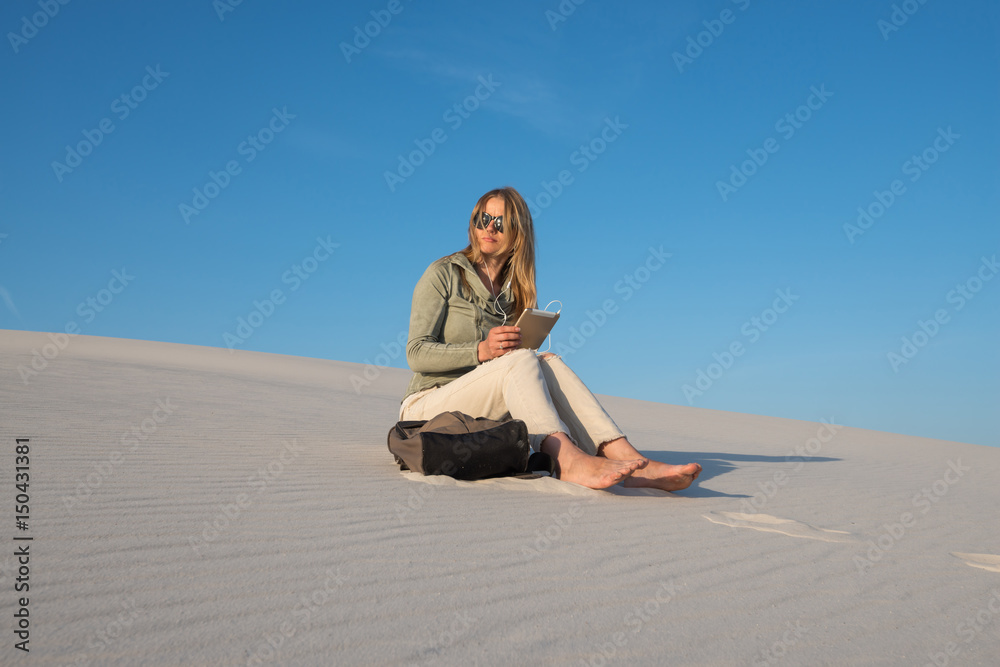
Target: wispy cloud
5, 296
554, 108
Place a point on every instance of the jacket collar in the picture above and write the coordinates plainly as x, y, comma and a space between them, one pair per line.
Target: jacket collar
472, 276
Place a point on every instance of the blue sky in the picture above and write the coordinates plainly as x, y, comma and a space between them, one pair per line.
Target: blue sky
695, 167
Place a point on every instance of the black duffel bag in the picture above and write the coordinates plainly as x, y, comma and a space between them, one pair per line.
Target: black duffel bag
464, 447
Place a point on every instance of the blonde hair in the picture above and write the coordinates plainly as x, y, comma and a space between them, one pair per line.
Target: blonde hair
519, 239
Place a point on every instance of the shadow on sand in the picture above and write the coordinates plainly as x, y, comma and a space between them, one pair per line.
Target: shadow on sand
714, 464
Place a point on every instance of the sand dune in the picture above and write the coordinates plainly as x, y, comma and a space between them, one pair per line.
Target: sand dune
190, 505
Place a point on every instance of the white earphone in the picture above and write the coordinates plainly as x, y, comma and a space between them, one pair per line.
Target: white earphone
497, 300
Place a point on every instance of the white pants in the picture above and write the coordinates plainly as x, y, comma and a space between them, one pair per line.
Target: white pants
544, 393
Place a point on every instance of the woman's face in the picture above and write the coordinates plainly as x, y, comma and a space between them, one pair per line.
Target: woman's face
492, 243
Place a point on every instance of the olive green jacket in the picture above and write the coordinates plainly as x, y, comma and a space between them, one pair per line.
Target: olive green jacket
447, 323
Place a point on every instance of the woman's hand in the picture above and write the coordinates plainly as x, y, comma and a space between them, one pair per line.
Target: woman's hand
499, 342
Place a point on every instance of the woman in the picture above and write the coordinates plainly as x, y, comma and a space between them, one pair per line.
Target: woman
464, 353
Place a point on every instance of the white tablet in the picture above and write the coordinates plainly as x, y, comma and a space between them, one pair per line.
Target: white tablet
535, 326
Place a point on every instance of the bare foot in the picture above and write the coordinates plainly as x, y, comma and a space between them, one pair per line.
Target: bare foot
664, 476
598, 473
578, 467
655, 475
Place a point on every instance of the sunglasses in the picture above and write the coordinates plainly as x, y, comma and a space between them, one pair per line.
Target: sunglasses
485, 219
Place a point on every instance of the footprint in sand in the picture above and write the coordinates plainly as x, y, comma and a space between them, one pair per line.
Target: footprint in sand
988, 562
774, 524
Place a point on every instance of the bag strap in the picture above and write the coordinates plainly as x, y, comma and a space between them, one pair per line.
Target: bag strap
542, 461
538, 461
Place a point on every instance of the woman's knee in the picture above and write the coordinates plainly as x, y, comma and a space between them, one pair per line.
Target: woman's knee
521, 361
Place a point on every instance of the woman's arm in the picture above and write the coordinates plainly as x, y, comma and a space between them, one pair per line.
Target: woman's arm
425, 353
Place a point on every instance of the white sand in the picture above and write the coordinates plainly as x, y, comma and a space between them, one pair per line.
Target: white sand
334, 556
